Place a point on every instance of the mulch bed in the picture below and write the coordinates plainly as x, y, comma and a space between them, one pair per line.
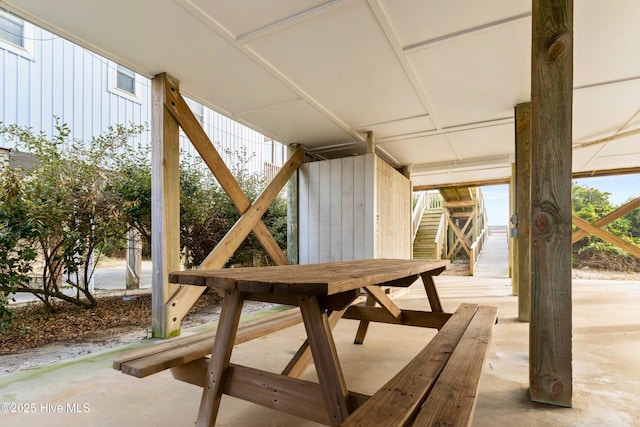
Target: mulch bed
34, 326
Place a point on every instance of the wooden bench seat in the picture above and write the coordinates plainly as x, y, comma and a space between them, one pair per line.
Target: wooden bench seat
142, 362
439, 386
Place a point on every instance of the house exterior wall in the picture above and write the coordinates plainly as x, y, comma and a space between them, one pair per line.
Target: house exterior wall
353, 208
51, 77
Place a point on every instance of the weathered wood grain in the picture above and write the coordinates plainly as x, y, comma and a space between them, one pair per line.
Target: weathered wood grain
154, 358
165, 201
550, 371
325, 358
220, 356
453, 398
313, 279
522, 274
396, 403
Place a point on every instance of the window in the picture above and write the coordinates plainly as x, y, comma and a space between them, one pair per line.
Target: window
125, 83
11, 29
126, 80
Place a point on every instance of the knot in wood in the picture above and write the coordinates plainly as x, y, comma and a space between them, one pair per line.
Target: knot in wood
557, 48
542, 222
557, 388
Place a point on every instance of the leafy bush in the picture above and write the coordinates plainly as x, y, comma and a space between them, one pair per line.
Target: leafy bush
57, 218
67, 207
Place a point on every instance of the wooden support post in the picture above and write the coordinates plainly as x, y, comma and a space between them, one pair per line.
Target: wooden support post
371, 142
133, 269
523, 209
293, 209
165, 204
550, 370
513, 247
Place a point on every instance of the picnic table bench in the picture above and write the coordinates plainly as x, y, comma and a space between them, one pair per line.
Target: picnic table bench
442, 379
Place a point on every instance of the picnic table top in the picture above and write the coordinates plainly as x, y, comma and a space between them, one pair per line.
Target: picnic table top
310, 279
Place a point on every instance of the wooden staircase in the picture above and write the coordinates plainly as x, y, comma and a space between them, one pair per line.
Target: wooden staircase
424, 245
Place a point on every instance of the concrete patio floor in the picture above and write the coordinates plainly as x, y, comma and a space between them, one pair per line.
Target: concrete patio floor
606, 346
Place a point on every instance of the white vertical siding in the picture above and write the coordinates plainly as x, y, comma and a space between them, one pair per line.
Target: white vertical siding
359, 207
348, 203
59, 78
335, 188
336, 210
353, 208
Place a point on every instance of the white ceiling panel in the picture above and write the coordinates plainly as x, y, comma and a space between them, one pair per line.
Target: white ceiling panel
628, 160
354, 74
601, 111
298, 121
605, 41
401, 127
485, 141
479, 77
420, 150
620, 147
419, 21
436, 81
242, 17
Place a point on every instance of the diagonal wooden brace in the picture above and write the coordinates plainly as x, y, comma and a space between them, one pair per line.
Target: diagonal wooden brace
608, 237
180, 303
621, 211
461, 238
177, 106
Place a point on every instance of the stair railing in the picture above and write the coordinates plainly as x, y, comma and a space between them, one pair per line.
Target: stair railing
441, 234
418, 211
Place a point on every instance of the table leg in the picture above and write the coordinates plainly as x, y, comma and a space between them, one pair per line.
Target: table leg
302, 358
430, 288
364, 324
325, 357
220, 356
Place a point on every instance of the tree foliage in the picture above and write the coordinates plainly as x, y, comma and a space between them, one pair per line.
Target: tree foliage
56, 218
592, 204
207, 213
68, 206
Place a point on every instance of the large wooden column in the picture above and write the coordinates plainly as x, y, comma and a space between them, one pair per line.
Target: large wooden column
513, 247
293, 210
165, 204
550, 375
522, 276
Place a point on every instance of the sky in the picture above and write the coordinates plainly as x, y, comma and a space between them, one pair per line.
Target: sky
621, 187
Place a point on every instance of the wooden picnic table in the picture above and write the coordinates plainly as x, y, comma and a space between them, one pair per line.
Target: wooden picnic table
325, 293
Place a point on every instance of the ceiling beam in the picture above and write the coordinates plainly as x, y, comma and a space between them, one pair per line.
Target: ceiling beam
447, 130
606, 139
503, 181
391, 34
464, 33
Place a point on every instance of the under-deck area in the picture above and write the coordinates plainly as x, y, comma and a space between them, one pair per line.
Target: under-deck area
606, 342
